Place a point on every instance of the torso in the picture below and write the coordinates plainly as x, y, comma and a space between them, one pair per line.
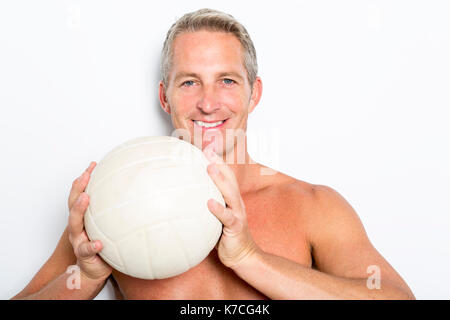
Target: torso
277, 223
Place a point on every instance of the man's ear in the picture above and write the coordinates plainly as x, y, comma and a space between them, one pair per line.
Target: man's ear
256, 94
163, 98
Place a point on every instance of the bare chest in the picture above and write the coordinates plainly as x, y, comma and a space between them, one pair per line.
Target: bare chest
276, 228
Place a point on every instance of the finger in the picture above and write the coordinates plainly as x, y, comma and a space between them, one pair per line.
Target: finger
221, 165
230, 192
91, 167
76, 216
88, 249
79, 184
213, 157
225, 216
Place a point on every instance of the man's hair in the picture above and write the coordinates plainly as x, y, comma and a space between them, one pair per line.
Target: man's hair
211, 20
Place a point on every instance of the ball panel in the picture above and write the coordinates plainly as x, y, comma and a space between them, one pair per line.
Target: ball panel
154, 150
210, 222
153, 208
105, 171
193, 238
215, 233
134, 183
167, 256
133, 250
109, 252
148, 198
137, 142
212, 227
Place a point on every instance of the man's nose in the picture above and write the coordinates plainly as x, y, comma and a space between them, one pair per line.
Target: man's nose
208, 101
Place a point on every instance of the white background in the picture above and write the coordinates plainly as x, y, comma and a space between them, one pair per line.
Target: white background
356, 97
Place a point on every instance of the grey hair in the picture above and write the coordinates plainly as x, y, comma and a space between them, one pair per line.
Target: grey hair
213, 20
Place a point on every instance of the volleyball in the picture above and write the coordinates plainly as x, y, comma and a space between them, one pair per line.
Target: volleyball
148, 206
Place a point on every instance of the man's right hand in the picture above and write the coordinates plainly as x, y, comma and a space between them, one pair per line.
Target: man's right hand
91, 265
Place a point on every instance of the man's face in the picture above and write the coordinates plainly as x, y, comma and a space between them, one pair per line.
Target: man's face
208, 89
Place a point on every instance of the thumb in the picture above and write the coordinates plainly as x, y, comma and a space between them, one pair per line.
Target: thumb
88, 249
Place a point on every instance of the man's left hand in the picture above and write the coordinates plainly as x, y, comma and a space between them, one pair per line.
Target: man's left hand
236, 244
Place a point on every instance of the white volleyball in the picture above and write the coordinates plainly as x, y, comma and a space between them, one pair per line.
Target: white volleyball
148, 206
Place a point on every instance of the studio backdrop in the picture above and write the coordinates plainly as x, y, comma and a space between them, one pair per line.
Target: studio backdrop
355, 97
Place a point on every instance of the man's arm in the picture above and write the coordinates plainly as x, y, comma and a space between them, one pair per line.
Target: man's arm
74, 247
51, 280
342, 253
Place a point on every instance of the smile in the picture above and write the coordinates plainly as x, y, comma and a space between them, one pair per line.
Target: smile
209, 125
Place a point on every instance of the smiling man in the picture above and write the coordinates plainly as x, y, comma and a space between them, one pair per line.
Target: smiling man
282, 238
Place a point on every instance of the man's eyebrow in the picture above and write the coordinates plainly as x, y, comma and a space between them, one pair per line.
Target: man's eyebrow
180, 75
231, 74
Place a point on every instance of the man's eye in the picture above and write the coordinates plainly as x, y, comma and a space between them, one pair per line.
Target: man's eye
188, 83
228, 81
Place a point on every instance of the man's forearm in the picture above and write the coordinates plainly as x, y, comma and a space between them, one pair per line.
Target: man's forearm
280, 278
59, 289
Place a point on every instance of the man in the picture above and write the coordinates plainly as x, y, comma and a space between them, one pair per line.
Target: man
282, 238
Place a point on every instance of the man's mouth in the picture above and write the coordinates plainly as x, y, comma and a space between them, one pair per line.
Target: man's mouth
209, 124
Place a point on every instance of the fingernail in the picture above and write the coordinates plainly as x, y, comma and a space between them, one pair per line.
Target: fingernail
94, 246
80, 198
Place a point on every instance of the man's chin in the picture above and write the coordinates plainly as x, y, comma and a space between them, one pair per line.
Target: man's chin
215, 140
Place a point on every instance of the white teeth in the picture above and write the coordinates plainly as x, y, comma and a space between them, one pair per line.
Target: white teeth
208, 125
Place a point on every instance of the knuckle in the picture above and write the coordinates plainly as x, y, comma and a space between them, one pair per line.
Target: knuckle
82, 250
231, 218
80, 202
86, 250
78, 251
73, 212
89, 249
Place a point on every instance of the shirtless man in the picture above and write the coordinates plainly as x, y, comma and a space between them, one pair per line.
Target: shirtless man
282, 238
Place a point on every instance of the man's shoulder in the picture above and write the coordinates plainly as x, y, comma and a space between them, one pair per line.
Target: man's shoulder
295, 192
300, 189
322, 210
312, 199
